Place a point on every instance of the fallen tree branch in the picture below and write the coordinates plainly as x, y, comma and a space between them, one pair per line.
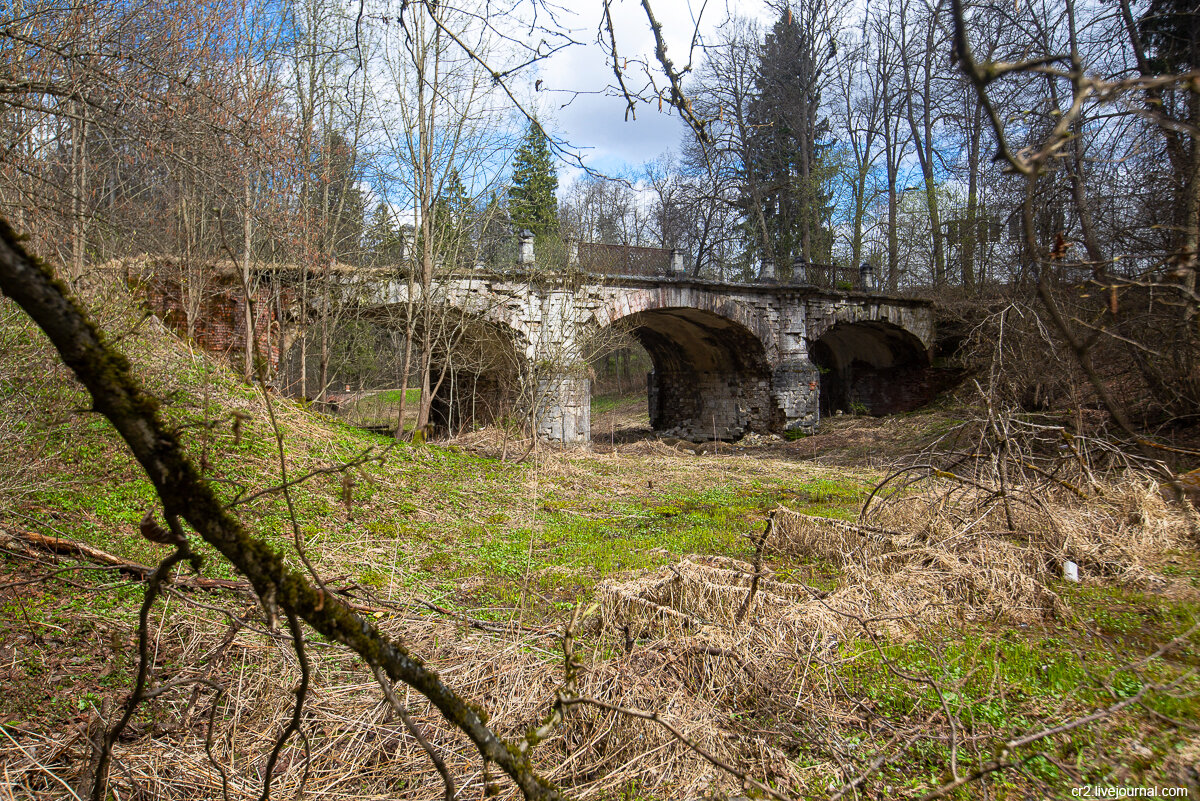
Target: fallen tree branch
117, 395
30, 540
58, 545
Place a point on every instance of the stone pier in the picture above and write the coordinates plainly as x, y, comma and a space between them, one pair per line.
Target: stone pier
565, 409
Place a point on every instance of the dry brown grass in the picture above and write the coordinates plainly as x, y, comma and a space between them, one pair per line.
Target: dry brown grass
355, 749
671, 641
918, 561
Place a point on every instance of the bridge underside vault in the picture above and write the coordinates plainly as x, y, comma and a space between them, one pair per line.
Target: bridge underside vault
873, 367
711, 378
481, 377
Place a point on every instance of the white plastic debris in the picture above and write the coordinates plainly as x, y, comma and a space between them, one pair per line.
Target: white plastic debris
1071, 571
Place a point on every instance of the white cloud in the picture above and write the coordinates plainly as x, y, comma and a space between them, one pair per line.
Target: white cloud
579, 93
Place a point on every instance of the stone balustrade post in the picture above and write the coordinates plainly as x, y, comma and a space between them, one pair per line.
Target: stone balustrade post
525, 249
766, 272
866, 277
677, 268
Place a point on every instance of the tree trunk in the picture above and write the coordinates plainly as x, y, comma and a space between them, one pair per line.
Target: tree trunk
247, 231
970, 238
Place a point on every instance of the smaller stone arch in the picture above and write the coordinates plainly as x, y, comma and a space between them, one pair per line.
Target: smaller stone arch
915, 319
872, 366
482, 374
479, 361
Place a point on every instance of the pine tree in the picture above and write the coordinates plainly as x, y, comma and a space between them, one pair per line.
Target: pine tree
789, 166
532, 204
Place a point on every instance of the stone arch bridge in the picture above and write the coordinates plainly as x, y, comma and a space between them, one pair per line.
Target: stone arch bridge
729, 357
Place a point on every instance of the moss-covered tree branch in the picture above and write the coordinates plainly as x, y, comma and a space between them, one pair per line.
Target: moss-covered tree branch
117, 395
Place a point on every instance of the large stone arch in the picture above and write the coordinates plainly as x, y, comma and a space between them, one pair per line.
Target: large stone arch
872, 366
712, 376
627, 303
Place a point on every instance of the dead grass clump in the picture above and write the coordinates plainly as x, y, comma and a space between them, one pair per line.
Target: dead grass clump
696, 593
1120, 533
912, 569
493, 442
353, 747
1116, 532
708, 692
939, 554
960, 549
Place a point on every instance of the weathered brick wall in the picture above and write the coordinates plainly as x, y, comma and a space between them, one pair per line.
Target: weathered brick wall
218, 323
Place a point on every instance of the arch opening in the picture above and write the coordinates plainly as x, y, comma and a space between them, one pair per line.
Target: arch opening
710, 377
872, 367
479, 376
478, 368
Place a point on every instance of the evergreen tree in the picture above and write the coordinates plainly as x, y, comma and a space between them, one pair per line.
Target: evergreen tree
453, 221
382, 246
532, 204
789, 167
1171, 29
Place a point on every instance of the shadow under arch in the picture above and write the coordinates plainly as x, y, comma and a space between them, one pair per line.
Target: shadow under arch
478, 363
871, 366
480, 375
711, 376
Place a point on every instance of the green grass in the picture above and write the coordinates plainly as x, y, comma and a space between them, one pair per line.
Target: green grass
567, 543
578, 538
393, 396
492, 537
606, 403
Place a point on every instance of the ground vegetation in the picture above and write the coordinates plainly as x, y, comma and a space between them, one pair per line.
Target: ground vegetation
213, 589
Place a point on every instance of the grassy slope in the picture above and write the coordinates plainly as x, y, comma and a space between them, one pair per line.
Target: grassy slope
505, 540
465, 531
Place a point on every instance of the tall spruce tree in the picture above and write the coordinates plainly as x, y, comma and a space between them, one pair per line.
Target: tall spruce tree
532, 204
453, 224
382, 245
788, 166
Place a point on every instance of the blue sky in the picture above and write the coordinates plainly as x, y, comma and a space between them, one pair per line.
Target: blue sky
594, 122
